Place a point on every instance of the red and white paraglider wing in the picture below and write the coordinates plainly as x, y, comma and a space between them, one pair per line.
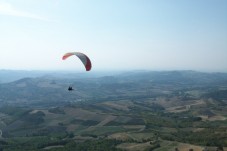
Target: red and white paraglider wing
84, 59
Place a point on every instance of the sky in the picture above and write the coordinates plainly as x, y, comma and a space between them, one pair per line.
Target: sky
114, 34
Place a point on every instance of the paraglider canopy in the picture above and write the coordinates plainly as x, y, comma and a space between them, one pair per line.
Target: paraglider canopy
84, 59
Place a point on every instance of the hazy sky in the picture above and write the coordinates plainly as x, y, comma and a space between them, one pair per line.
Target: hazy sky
115, 34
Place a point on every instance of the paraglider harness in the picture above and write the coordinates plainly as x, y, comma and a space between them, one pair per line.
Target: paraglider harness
70, 88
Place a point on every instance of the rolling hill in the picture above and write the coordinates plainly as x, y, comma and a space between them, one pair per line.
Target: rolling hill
139, 110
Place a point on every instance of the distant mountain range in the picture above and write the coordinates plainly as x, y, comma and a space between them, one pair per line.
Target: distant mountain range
7, 76
39, 88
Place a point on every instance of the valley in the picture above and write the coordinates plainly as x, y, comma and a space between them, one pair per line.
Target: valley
144, 111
